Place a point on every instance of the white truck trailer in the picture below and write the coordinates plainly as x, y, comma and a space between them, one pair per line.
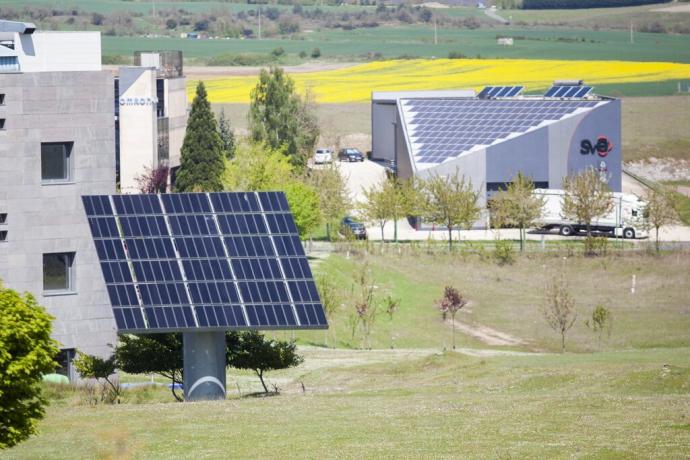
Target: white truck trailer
626, 218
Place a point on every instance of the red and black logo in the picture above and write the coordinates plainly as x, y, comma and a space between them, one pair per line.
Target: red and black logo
602, 147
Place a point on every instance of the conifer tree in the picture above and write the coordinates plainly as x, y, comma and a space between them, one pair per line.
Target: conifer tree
201, 164
227, 136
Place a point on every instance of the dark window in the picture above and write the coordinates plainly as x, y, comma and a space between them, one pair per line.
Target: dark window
3, 217
65, 360
2, 99
56, 161
2, 123
58, 273
3, 235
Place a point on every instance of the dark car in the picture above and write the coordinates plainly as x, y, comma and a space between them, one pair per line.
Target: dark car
350, 227
350, 155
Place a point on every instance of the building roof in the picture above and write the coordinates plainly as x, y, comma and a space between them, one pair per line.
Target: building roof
440, 129
393, 96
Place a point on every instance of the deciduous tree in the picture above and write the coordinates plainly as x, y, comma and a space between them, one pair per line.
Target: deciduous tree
334, 198
103, 370
376, 207
559, 311
227, 136
331, 301
257, 167
450, 201
279, 117
659, 210
26, 353
152, 354
586, 198
451, 303
251, 350
304, 206
365, 306
517, 206
201, 160
153, 180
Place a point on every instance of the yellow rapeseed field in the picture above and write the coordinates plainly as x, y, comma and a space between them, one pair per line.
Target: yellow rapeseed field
355, 84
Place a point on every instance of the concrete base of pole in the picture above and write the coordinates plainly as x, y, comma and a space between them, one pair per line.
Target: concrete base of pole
204, 365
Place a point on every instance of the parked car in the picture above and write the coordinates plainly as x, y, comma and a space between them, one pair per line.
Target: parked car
349, 226
350, 155
323, 156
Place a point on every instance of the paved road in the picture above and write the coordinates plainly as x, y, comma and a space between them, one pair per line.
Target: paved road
368, 173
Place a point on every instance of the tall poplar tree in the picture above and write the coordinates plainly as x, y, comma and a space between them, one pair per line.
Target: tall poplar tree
201, 163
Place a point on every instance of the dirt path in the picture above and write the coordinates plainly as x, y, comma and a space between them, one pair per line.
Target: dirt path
673, 9
488, 335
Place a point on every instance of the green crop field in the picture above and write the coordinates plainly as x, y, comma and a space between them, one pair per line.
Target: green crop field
626, 398
418, 41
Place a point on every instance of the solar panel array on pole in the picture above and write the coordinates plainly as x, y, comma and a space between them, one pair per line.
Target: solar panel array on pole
203, 261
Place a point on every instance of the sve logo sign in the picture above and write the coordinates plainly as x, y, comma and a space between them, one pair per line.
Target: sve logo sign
602, 147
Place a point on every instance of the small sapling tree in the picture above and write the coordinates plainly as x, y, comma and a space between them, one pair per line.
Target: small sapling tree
366, 309
153, 180
559, 311
376, 207
517, 206
391, 306
103, 370
600, 322
451, 303
660, 210
250, 350
586, 198
331, 301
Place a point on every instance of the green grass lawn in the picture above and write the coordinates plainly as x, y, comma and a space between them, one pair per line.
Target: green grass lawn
509, 298
631, 404
631, 400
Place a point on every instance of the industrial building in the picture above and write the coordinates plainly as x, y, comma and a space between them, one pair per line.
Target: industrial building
67, 129
57, 143
150, 115
491, 136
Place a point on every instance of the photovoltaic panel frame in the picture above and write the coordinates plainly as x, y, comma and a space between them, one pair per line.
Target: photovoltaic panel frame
203, 261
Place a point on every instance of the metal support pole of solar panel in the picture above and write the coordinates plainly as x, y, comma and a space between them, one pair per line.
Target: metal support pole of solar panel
204, 365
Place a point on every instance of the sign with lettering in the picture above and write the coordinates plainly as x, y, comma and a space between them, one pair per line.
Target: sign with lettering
138, 101
602, 147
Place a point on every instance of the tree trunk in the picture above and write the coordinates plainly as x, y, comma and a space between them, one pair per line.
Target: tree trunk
172, 388
261, 377
522, 239
453, 334
450, 238
562, 341
328, 231
395, 230
383, 225
657, 240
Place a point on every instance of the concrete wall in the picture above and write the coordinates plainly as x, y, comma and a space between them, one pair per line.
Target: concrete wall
59, 51
383, 117
176, 111
138, 125
50, 107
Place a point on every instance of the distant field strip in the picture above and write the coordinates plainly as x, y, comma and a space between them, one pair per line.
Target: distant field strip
355, 84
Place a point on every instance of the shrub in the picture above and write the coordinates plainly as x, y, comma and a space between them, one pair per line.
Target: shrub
596, 245
504, 252
315, 53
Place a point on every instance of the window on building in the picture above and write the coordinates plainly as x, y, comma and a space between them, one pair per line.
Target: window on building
3, 235
3, 217
58, 272
56, 161
2, 99
2, 123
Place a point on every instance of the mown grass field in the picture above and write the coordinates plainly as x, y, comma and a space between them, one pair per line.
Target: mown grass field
630, 400
608, 405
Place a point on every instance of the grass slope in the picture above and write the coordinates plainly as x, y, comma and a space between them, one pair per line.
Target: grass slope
612, 405
509, 298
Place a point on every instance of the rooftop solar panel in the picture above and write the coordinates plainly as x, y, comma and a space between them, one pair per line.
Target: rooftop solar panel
499, 91
568, 91
440, 129
180, 262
